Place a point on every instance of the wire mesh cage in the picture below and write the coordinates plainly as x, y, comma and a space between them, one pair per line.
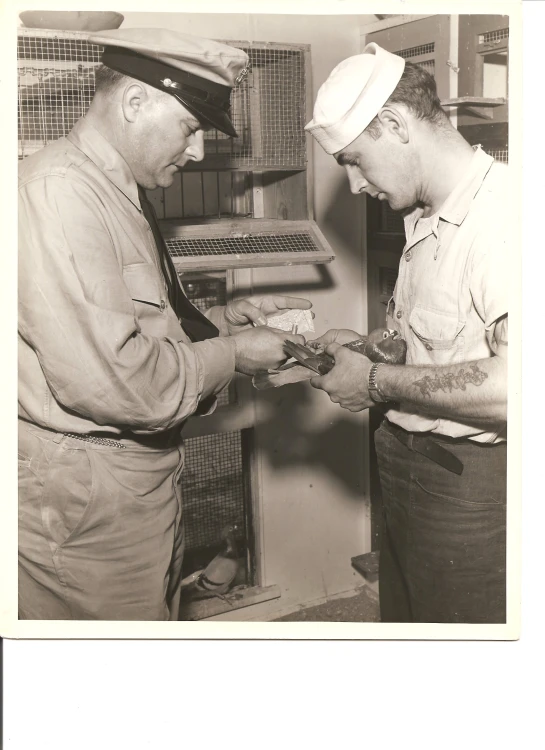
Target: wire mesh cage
409, 53
246, 242
499, 154
423, 56
56, 71
268, 111
56, 82
214, 493
494, 37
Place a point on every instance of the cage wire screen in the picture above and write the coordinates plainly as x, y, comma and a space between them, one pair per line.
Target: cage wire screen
213, 495
266, 242
494, 37
268, 110
246, 243
499, 154
56, 85
57, 81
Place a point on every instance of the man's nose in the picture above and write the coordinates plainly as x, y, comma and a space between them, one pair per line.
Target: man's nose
357, 181
195, 148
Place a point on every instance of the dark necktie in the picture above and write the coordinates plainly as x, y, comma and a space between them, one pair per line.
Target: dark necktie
195, 324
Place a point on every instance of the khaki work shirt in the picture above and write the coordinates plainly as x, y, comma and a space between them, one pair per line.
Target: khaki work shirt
99, 345
453, 283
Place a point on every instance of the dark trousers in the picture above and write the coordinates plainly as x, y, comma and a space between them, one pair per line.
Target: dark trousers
443, 545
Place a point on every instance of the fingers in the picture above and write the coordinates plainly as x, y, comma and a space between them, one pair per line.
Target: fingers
317, 383
338, 335
295, 337
335, 349
322, 341
283, 302
245, 311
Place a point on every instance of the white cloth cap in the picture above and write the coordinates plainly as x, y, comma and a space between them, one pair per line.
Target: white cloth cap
353, 95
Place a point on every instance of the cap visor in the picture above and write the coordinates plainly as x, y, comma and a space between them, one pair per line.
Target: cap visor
208, 115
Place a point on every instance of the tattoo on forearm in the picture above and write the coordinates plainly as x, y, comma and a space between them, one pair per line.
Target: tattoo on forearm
451, 381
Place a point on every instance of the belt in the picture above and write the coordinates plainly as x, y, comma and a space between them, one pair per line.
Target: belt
423, 443
158, 440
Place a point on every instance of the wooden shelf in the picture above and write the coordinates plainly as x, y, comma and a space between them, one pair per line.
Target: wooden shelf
476, 105
236, 599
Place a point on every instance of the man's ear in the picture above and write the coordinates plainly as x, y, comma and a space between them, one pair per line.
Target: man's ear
134, 96
394, 121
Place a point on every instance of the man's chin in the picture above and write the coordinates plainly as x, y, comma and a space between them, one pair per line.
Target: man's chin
396, 206
165, 181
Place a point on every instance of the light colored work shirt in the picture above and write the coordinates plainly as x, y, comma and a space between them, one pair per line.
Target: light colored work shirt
100, 348
453, 283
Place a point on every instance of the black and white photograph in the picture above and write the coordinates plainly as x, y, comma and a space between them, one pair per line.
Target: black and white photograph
265, 266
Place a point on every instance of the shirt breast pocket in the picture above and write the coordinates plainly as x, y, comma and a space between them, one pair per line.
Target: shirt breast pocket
438, 337
145, 288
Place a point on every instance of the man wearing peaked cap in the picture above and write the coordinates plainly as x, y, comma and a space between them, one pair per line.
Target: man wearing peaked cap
113, 356
441, 448
200, 73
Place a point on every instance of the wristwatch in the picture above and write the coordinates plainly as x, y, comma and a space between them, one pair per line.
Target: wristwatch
374, 392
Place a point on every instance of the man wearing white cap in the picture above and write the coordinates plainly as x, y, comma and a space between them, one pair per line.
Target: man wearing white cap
113, 357
442, 446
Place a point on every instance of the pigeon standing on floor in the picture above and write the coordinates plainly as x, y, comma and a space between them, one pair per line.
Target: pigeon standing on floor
218, 576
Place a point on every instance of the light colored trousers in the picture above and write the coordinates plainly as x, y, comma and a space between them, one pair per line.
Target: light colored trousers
100, 529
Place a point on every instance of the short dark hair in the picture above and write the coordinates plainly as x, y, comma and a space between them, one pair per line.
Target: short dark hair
106, 79
418, 92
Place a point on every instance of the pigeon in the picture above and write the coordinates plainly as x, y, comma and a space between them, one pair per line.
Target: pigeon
381, 345
218, 576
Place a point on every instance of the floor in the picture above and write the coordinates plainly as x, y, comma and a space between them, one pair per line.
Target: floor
362, 607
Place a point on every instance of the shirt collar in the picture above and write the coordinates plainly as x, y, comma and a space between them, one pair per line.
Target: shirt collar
93, 144
455, 209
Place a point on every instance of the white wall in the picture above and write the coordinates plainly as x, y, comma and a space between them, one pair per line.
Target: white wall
312, 455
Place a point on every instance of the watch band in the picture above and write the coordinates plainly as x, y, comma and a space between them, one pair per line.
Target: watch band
372, 386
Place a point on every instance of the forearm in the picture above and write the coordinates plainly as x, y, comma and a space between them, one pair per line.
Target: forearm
471, 391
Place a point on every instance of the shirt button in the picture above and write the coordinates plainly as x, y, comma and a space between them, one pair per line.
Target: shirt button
399, 313
429, 347
163, 304
408, 255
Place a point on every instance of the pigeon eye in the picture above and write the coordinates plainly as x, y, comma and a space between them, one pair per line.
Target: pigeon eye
386, 334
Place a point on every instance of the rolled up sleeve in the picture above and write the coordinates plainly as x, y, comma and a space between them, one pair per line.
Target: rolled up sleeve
489, 282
